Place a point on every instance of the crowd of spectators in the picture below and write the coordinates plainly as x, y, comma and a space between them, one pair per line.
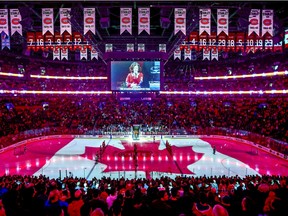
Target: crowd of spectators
54, 84
181, 76
247, 84
186, 196
236, 66
38, 66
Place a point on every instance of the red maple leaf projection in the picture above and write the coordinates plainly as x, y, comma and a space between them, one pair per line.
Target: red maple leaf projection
148, 158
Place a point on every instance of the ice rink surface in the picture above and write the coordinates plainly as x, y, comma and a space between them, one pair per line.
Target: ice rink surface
144, 158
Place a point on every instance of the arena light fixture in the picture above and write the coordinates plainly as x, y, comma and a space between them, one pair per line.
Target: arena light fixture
11, 74
268, 74
66, 77
251, 92
54, 92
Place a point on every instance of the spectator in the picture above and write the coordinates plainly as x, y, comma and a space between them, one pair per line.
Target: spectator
54, 206
202, 207
219, 210
95, 202
116, 207
97, 212
111, 197
2, 209
76, 204
248, 207
159, 206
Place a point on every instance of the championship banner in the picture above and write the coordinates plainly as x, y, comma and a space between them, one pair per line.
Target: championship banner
143, 20
5, 40
64, 53
206, 53
94, 53
56, 53
125, 20
204, 20
77, 40
254, 22
31, 40
15, 19
250, 40
194, 40
89, 20
108, 47
65, 24
214, 53
177, 53
187, 54
222, 21
83, 53
203, 41
141, 47
67, 40
222, 41
47, 20
130, 47
258, 43
58, 40
231, 42
39, 41
4, 21
180, 20
268, 42
48, 41
212, 40
267, 22
240, 39
162, 48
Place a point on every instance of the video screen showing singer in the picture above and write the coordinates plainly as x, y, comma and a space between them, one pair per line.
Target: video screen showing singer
134, 78
135, 75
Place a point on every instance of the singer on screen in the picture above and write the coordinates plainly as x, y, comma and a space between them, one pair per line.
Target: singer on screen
135, 76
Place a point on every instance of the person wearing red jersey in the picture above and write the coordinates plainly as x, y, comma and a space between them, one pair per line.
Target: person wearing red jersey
135, 76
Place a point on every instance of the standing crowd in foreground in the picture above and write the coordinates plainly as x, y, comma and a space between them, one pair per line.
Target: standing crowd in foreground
182, 196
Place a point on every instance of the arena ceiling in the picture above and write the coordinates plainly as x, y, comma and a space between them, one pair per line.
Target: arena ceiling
161, 19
